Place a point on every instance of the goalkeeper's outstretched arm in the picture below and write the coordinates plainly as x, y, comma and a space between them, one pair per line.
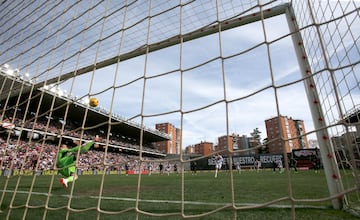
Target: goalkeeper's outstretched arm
87, 146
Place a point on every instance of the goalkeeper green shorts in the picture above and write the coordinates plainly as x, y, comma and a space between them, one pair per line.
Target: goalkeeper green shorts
67, 171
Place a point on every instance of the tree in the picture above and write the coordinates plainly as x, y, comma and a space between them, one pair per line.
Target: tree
256, 135
265, 148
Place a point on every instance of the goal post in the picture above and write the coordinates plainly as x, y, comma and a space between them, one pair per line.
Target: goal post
201, 32
328, 158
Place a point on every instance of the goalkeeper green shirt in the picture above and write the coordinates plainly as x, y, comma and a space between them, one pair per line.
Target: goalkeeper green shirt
66, 158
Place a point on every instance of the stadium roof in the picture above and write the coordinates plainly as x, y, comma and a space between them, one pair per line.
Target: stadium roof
14, 87
353, 116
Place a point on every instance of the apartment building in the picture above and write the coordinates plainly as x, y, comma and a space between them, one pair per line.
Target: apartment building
285, 132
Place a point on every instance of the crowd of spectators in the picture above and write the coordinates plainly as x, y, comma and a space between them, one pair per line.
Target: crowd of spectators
34, 156
38, 154
57, 126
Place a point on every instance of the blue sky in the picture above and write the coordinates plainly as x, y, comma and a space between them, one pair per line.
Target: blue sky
211, 86
203, 92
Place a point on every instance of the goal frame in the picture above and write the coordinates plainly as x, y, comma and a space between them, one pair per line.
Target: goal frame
328, 157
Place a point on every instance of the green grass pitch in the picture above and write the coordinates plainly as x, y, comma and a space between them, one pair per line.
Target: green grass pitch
160, 196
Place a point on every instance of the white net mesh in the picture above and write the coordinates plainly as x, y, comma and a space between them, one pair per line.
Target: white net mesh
210, 68
332, 53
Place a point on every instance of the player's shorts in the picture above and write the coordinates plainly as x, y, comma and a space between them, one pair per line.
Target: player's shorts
218, 165
67, 171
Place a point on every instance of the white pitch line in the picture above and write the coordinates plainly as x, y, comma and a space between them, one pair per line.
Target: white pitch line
165, 201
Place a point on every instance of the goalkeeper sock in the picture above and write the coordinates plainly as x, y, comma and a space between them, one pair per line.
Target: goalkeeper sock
70, 179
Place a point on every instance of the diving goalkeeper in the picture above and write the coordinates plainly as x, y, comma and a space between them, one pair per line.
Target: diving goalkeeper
66, 159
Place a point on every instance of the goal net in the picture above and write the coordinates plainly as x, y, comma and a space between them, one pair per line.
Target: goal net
206, 68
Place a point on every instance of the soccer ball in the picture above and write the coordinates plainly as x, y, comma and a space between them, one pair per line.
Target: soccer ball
93, 102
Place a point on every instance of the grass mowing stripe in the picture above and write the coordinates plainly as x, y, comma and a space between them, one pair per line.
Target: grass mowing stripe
161, 194
164, 201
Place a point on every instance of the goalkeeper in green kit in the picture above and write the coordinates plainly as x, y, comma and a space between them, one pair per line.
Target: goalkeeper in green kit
66, 159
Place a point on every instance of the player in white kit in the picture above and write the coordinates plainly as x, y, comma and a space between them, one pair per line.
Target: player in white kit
218, 163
